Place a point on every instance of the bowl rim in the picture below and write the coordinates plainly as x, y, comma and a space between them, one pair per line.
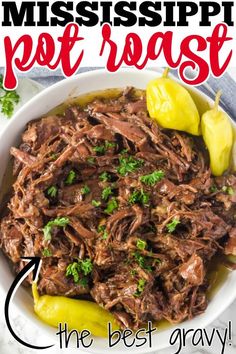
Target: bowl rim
204, 319
91, 73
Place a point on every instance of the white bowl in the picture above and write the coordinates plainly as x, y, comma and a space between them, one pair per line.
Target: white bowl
38, 106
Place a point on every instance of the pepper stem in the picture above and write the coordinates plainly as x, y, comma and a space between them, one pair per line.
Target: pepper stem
166, 72
35, 292
217, 100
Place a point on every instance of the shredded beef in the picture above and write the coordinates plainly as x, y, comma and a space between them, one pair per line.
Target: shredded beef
150, 243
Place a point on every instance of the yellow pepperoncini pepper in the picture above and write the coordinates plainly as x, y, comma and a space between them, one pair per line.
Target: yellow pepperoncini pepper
172, 106
78, 314
217, 133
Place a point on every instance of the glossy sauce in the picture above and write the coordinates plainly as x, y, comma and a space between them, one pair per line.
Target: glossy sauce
85, 99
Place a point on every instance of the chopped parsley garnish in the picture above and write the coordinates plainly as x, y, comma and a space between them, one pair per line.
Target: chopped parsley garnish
8, 100
105, 176
157, 260
60, 222
86, 266
152, 178
124, 151
139, 259
70, 177
111, 206
96, 203
81, 267
230, 191
227, 189
106, 193
213, 189
140, 287
85, 190
101, 149
52, 191
141, 244
109, 144
133, 272
91, 160
105, 235
172, 225
128, 164
54, 156
142, 261
102, 230
46, 252
73, 270
139, 196
83, 282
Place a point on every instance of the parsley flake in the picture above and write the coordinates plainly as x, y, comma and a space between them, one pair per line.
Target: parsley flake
54, 156
46, 252
70, 177
139, 197
96, 203
106, 193
60, 222
101, 149
102, 230
91, 160
86, 266
105, 177
142, 261
128, 164
85, 190
111, 206
83, 282
228, 189
52, 191
171, 226
80, 269
140, 287
141, 244
8, 100
105, 235
213, 189
152, 178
